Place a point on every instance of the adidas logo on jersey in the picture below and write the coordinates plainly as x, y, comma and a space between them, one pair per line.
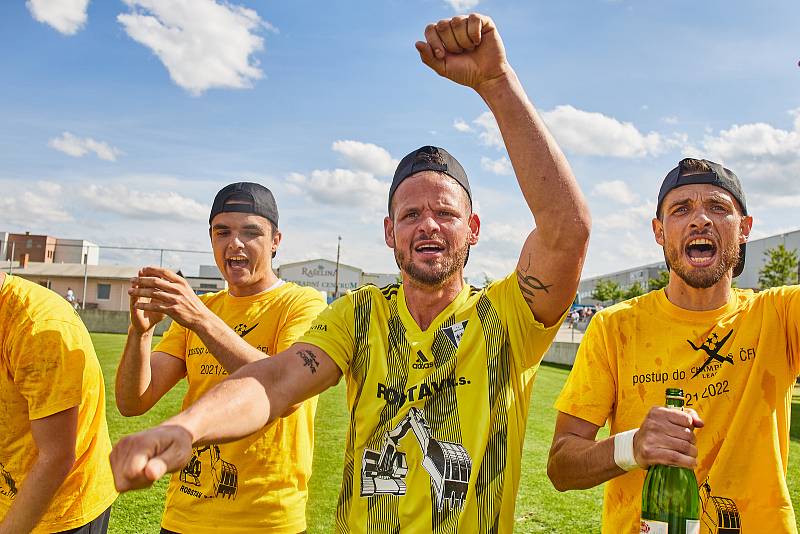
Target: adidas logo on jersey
422, 361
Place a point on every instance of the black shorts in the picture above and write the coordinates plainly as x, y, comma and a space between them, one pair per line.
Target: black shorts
98, 526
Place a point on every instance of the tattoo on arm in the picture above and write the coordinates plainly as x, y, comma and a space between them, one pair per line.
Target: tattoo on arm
529, 285
309, 360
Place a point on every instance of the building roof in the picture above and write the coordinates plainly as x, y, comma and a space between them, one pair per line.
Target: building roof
77, 270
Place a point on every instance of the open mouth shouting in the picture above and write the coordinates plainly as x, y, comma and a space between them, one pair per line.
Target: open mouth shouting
429, 247
237, 262
701, 251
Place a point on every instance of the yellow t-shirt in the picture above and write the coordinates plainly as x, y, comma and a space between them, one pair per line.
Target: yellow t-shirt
48, 365
437, 417
737, 366
259, 482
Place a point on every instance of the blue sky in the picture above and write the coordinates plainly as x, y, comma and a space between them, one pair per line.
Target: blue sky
121, 119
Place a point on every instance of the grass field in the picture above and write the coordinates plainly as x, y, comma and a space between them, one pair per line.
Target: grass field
540, 508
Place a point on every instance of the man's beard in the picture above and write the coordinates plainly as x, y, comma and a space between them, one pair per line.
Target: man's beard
705, 277
435, 275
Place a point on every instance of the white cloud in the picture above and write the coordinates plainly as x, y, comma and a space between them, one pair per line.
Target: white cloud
594, 134
33, 207
66, 16
460, 6
78, 147
583, 133
122, 200
461, 126
763, 156
633, 217
670, 120
615, 190
489, 131
341, 187
202, 43
500, 166
366, 157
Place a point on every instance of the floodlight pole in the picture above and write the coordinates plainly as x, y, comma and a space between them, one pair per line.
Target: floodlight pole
336, 276
85, 278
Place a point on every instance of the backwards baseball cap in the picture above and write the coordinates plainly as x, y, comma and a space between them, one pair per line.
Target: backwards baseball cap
686, 173
245, 197
429, 158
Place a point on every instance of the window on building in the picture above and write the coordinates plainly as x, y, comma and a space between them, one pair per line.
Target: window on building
45, 283
103, 291
29, 243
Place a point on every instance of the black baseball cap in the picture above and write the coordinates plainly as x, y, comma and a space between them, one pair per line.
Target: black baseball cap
429, 158
717, 175
245, 197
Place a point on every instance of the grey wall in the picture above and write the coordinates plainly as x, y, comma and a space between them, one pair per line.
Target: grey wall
561, 352
114, 322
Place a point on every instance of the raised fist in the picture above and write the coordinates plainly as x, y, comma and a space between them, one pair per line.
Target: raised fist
465, 49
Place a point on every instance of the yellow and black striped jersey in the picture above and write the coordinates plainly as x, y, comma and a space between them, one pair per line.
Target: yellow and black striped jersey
437, 417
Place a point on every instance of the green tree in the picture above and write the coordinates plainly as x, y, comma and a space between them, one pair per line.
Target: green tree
660, 281
780, 268
634, 290
607, 291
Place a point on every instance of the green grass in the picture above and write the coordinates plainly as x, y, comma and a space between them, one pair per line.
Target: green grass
540, 508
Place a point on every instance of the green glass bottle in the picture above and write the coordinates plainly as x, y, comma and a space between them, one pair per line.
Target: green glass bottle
670, 497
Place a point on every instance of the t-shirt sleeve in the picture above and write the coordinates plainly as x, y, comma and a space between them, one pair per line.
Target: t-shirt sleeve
301, 314
47, 364
590, 390
332, 331
791, 315
530, 339
174, 341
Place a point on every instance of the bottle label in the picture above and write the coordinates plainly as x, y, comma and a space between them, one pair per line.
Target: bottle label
649, 526
692, 526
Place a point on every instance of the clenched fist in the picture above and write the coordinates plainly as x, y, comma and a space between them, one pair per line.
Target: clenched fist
140, 459
465, 49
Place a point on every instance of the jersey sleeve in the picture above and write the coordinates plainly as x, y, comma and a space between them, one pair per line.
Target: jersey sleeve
48, 363
530, 339
174, 341
332, 331
790, 311
590, 390
302, 313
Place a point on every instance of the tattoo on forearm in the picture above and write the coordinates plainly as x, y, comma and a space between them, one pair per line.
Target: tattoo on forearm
529, 285
309, 360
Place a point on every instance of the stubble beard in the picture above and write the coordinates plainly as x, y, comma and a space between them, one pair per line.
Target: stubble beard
702, 278
436, 274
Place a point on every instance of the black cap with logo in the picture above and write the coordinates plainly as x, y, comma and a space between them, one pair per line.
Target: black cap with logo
429, 158
719, 176
245, 197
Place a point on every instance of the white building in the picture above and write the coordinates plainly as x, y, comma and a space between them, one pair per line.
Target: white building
76, 251
321, 274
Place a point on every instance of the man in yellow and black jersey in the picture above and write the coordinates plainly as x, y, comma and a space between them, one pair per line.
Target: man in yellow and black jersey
256, 483
735, 353
438, 373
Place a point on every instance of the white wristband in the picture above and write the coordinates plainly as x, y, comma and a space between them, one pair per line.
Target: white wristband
623, 450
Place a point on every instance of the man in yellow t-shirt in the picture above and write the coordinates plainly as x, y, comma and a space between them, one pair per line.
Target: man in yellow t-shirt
735, 354
54, 444
260, 482
438, 373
